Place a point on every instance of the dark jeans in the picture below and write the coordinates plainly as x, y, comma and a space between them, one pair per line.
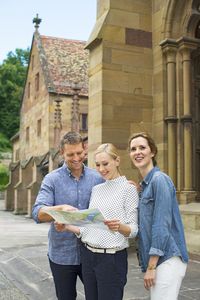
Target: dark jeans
104, 275
65, 278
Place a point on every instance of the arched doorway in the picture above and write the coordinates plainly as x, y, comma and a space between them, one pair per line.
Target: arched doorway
196, 113
181, 52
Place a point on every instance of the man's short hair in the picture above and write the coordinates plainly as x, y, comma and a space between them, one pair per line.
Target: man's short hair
71, 138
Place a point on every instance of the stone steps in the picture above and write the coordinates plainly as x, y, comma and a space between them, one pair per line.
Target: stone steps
191, 220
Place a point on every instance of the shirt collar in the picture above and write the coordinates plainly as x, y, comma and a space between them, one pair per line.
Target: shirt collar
148, 177
69, 173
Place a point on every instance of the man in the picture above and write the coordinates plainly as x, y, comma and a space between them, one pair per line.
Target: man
65, 188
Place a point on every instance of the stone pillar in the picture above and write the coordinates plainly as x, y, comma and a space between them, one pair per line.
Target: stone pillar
14, 178
169, 49
187, 118
185, 48
20, 189
33, 187
57, 122
120, 76
75, 108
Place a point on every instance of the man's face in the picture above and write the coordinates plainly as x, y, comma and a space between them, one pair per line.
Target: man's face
74, 155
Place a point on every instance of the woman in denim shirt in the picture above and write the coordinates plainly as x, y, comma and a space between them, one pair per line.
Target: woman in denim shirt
162, 248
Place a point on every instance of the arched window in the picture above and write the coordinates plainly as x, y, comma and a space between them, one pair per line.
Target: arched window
197, 31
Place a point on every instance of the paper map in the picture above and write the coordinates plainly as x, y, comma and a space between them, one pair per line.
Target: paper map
78, 217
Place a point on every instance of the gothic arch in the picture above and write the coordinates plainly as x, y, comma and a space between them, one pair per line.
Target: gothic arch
180, 18
181, 46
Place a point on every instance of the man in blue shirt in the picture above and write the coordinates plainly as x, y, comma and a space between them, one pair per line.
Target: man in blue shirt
66, 187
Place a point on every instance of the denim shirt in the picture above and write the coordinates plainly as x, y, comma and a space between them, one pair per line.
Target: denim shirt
60, 187
161, 230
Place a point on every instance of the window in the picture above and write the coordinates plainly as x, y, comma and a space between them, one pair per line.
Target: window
197, 31
84, 121
39, 127
32, 62
37, 82
29, 89
16, 155
27, 135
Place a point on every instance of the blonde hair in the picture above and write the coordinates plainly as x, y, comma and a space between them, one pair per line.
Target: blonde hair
111, 150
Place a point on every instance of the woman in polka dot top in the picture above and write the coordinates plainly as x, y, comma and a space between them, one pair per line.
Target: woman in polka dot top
104, 250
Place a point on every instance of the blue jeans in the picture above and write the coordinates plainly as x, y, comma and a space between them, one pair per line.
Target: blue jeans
65, 278
104, 275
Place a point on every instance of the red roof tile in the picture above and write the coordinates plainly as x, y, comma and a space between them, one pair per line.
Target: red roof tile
64, 62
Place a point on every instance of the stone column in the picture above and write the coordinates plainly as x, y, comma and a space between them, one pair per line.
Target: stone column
57, 122
187, 117
75, 108
186, 45
169, 49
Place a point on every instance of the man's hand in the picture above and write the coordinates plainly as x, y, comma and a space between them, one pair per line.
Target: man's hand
65, 207
44, 217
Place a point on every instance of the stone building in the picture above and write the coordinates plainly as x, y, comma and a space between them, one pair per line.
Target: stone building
145, 76
55, 100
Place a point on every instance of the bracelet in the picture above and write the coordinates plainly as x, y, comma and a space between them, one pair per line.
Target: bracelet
151, 267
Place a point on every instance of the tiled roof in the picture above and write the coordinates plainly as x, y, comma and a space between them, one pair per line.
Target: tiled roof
64, 63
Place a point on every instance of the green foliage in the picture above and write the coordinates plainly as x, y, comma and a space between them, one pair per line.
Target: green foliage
4, 177
12, 80
5, 145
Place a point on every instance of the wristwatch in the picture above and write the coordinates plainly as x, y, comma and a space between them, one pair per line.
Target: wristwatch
151, 267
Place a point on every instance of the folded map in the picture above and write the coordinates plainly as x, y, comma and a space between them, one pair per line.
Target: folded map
78, 217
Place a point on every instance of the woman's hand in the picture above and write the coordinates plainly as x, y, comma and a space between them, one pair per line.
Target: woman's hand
60, 227
150, 275
116, 225
138, 187
64, 227
149, 278
113, 225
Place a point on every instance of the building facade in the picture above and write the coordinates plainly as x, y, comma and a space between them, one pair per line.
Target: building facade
55, 101
144, 76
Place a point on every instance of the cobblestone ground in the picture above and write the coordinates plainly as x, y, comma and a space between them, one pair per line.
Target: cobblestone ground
8, 291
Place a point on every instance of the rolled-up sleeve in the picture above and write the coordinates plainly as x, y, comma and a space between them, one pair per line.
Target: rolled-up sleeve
45, 197
162, 216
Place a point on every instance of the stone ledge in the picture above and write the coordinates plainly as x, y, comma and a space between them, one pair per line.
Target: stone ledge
190, 208
192, 241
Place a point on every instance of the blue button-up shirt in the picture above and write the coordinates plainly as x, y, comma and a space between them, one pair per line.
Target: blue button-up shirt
161, 231
60, 187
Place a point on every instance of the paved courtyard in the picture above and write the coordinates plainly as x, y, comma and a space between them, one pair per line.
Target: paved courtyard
25, 273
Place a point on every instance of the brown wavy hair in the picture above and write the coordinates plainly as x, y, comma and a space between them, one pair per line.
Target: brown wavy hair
150, 142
